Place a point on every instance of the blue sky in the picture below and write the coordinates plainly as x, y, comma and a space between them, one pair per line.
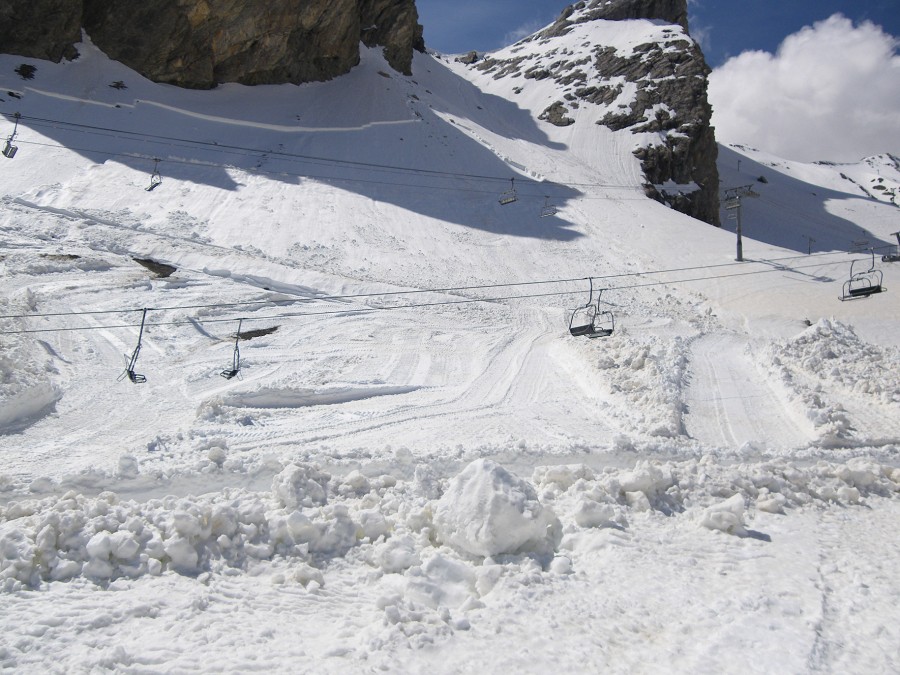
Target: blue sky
724, 27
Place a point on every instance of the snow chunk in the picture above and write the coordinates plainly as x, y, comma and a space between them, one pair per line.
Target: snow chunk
771, 503
726, 517
302, 485
563, 476
487, 511
397, 554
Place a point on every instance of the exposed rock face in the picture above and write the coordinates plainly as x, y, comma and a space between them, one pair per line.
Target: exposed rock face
199, 43
657, 89
617, 10
393, 24
556, 114
42, 30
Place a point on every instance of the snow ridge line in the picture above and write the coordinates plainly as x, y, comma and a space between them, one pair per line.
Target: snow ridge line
281, 128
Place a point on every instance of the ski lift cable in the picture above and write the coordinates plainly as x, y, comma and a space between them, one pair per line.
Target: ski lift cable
38, 121
368, 309
276, 153
450, 289
636, 190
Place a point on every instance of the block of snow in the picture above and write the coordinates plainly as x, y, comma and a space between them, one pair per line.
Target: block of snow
128, 467
487, 511
302, 485
771, 503
397, 554
563, 476
726, 517
354, 483
183, 554
373, 524
593, 514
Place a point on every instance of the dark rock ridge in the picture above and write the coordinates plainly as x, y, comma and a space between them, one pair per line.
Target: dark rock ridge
200, 43
656, 88
670, 11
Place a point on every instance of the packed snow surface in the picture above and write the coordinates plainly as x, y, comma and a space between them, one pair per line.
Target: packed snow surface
416, 467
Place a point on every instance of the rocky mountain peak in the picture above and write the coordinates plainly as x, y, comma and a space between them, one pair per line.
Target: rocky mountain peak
670, 11
648, 77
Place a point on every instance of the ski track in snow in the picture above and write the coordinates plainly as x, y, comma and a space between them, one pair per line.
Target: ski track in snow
730, 403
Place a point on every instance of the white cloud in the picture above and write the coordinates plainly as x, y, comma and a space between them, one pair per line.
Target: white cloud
703, 35
524, 30
831, 92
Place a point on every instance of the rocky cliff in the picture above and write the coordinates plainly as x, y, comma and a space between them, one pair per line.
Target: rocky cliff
655, 88
200, 43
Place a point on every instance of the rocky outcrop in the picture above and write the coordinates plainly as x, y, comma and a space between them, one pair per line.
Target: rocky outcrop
671, 101
200, 43
556, 115
618, 10
42, 30
656, 89
394, 25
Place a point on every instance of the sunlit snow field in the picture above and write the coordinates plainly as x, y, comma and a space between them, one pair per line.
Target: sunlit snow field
418, 468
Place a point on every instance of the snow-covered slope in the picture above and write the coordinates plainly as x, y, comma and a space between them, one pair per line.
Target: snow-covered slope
419, 468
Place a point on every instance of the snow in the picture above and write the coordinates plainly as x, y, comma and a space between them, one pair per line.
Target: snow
487, 511
392, 483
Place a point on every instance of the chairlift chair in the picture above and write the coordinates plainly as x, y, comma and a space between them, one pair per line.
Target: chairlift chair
895, 256
10, 150
863, 283
509, 196
589, 320
548, 209
235, 369
155, 177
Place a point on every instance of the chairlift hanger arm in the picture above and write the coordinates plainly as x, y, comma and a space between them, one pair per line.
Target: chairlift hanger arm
236, 355
136, 378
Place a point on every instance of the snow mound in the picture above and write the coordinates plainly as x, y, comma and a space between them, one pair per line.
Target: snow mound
833, 352
648, 372
104, 538
827, 367
487, 511
27, 388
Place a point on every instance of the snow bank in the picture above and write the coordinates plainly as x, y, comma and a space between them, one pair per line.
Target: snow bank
827, 365
310, 519
487, 511
832, 352
105, 538
648, 371
716, 496
27, 387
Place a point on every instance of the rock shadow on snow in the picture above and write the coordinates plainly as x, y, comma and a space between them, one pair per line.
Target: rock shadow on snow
410, 151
